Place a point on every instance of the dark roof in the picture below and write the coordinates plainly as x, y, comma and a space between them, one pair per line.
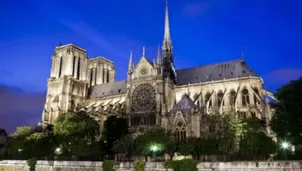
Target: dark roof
219, 71
186, 103
108, 89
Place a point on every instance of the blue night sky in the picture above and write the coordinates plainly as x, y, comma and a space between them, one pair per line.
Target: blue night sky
203, 32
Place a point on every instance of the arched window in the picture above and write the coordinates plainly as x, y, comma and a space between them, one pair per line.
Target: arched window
180, 131
207, 97
253, 113
60, 66
256, 101
232, 97
73, 65
91, 76
244, 115
107, 76
220, 98
96, 75
245, 97
79, 69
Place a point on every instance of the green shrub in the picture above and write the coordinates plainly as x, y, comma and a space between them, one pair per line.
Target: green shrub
108, 165
32, 164
140, 165
182, 165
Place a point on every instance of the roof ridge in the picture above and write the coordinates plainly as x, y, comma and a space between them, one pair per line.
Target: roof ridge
234, 60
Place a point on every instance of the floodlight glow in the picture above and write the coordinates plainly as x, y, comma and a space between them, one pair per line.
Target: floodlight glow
154, 148
285, 145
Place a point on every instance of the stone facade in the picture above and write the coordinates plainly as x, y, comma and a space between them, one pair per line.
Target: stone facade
152, 166
155, 92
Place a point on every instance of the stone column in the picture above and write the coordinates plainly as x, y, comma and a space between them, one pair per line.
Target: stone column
75, 71
57, 67
111, 75
102, 73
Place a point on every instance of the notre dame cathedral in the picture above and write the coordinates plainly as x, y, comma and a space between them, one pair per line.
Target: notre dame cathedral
155, 92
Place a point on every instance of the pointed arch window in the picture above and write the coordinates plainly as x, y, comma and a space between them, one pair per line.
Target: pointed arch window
245, 97
253, 113
208, 98
79, 69
180, 131
220, 98
73, 65
60, 66
232, 97
107, 76
96, 76
91, 76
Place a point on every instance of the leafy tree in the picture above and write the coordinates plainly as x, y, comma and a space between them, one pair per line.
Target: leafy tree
114, 129
76, 134
39, 145
255, 144
125, 146
158, 137
287, 116
22, 132
232, 131
17, 145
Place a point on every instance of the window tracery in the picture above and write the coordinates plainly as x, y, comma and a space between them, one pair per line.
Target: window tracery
245, 97
180, 131
143, 98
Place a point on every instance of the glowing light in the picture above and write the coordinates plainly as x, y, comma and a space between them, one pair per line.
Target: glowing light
154, 148
285, 145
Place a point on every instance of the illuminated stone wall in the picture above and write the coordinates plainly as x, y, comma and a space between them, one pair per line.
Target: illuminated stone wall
14, 165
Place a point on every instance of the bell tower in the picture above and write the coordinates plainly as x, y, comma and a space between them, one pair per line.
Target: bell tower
68, 82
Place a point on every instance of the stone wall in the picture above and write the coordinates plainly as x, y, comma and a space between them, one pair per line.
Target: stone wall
14, 165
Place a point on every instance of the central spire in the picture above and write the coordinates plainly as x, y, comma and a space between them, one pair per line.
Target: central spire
167, 43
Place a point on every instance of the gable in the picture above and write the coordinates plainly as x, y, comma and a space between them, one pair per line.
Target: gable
143, 68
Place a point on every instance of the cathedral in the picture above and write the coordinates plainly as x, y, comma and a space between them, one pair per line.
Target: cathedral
155, 93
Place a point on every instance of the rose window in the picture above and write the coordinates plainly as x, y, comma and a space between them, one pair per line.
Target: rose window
143, 98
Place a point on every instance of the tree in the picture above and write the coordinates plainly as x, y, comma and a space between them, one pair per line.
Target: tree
114, 129
22, 132
160, 138
125, 146
76, 134
17, 145
255, 144
231, 131
287, 117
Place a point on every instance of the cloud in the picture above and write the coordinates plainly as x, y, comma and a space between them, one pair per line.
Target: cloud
195, 9
283, 75
19, 107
